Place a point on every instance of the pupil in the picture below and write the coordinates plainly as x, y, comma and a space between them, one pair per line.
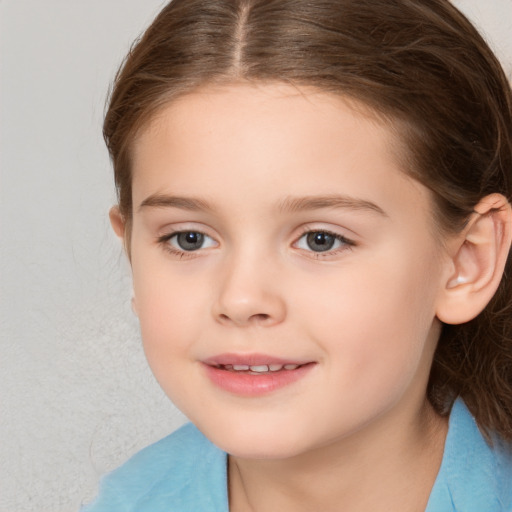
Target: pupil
190, 240
319, 242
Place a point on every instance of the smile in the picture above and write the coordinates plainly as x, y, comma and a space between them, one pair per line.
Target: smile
258, 369
254, 375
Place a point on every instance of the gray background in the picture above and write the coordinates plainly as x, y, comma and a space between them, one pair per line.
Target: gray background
76, 397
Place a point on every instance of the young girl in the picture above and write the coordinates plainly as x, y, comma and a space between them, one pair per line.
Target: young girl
315, 200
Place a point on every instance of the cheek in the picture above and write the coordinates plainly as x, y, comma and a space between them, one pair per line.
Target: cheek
170, 313
169, 326
375, 319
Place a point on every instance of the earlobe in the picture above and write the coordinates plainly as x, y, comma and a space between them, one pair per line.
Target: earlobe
117, 221
478, 261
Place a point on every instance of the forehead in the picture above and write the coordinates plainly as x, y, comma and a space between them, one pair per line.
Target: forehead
275, 101
243, 140
274, 114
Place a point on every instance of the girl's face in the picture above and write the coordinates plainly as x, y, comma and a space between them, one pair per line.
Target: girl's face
274, 227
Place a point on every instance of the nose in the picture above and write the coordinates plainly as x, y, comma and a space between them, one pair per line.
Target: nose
249, 293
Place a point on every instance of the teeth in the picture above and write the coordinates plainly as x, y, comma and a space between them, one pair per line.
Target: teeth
261, 368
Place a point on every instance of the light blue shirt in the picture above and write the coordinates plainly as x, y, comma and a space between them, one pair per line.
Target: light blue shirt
184, 472
473, 476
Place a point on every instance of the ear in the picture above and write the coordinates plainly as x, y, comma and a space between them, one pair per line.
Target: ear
477, 261
119, 226
117, 221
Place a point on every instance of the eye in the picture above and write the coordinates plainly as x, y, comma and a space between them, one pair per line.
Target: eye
322, 241
188, 241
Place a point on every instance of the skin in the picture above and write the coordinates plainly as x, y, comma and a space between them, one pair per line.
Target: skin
357, 429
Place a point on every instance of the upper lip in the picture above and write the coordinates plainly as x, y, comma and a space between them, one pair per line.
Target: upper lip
250, 360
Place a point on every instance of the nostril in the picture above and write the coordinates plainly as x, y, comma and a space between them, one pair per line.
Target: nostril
261, 316
256, 318
247, 311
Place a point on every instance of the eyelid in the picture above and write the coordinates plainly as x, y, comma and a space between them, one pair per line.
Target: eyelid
347, 243
164, 239
177, 233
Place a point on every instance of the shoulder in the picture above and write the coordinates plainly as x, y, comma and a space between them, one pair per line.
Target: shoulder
474, 475
182, 472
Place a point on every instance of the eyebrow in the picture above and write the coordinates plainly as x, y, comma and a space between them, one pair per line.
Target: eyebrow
166, 201
289, 204
296, 204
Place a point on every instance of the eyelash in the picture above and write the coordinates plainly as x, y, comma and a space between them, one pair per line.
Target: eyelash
347, 244
164, 241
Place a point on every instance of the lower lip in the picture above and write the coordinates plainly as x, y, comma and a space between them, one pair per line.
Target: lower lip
246, 384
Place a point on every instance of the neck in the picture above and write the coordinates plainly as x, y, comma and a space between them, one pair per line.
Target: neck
379, 468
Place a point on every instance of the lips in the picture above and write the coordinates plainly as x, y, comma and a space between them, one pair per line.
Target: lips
254, 374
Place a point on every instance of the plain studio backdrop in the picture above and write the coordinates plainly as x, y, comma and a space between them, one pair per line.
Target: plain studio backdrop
76, 396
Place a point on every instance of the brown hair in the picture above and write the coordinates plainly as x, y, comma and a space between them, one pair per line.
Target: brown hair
418, 64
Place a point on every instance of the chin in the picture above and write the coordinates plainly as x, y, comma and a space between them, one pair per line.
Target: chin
247, 441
